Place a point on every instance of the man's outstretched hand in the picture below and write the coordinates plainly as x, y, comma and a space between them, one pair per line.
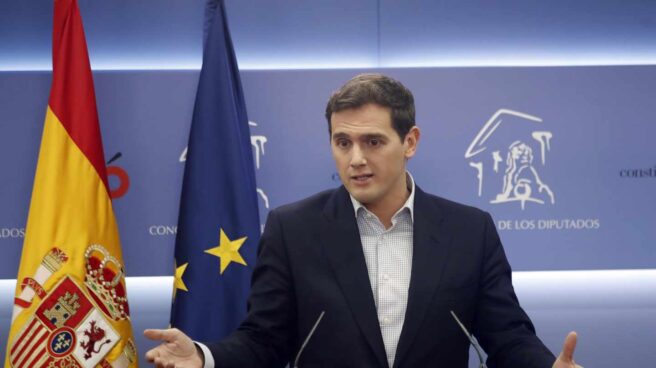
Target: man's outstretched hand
566, 357
176, 350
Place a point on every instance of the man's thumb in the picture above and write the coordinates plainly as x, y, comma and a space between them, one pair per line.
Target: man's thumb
567, 355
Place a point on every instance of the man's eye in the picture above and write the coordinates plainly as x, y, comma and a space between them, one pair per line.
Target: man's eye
374, 142
343, 143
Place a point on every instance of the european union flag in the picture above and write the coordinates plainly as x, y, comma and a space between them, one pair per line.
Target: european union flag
218, 227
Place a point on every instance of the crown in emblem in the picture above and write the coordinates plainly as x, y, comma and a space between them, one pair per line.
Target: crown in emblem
105, 281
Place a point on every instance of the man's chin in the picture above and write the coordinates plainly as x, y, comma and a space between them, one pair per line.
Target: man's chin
363, 198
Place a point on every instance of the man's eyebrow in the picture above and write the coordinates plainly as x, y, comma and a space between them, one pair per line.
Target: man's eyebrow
339, 135
366, 137
373, 136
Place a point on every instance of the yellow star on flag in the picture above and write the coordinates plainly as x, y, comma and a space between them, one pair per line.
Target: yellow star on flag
178, 283
228, 251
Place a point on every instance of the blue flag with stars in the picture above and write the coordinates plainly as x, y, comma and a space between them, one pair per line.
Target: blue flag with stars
218, 227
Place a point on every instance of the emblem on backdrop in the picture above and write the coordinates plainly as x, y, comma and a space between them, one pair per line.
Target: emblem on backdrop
508, 156
117, 175
258, 141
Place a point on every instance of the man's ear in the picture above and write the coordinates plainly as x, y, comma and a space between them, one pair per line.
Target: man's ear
411, 141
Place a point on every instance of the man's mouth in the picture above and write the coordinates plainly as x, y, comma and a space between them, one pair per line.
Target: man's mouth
362, 178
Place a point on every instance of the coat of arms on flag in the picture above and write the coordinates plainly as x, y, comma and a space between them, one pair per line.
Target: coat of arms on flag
71, 326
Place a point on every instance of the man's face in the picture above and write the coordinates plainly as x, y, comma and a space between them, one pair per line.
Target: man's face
370, 156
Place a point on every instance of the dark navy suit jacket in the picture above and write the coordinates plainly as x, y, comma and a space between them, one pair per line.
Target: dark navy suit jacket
310, 260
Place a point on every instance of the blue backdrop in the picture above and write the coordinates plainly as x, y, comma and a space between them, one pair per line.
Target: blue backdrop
561, 157
596, 121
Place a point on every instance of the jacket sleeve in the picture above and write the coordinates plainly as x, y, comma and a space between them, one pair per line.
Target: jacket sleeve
503, 328
265, 338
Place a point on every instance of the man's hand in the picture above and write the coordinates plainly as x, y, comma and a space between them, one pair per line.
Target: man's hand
176, 350
566, 357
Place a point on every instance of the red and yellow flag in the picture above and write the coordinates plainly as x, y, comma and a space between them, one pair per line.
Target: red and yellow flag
71, 308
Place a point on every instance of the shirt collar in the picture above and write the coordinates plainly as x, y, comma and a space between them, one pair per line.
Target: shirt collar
409, 203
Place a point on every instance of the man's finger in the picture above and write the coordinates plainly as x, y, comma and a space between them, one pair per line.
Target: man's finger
151, 355
155, 334
567, 354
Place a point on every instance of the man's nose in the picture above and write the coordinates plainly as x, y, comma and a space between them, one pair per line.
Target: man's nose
357, 157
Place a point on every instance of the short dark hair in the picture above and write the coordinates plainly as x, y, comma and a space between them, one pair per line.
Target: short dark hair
379, 89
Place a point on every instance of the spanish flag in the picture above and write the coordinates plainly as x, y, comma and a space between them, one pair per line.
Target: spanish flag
70, 306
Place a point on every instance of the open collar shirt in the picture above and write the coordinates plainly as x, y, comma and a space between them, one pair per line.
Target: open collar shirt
388, 255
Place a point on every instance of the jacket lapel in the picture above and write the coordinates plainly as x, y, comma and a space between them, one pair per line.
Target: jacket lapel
341, 240
431, 240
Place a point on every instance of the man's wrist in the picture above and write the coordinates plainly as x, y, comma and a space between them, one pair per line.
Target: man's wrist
199, 353
205, 355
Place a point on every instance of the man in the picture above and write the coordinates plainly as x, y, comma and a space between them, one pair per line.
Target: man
384, 260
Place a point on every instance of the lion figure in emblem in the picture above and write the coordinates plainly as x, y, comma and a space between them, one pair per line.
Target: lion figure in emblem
95, 335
